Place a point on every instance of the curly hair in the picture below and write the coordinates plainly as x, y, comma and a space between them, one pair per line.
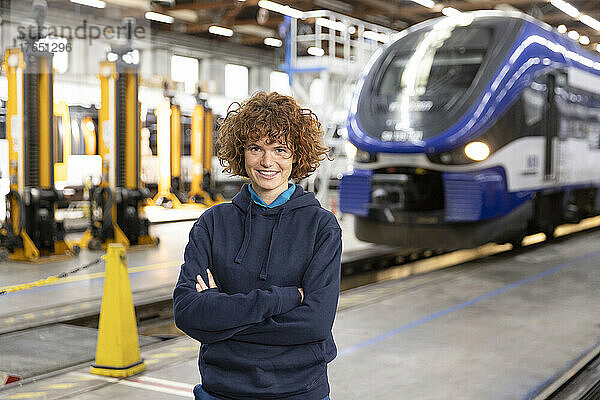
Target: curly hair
278, 118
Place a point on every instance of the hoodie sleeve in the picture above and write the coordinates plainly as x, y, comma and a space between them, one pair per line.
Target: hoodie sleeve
313, 319
209, 315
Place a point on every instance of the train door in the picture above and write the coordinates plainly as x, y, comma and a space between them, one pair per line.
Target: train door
553, 151
550, 127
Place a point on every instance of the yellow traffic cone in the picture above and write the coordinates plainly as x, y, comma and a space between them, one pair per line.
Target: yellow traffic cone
117, 351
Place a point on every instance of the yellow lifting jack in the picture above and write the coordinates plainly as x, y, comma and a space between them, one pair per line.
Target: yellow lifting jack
201, 190
31, 232
116, 215
171, 185
170, 182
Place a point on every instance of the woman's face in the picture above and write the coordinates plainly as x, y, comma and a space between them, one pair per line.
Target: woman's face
269, 166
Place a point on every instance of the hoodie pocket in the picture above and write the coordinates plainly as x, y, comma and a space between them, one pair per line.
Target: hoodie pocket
246, 369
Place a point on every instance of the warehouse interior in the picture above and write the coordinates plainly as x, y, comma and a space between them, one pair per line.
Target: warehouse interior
467, 189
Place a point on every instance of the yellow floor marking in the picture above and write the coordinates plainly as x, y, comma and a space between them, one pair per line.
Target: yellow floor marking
150, 362
10, 320
163, 355
60, 386
27, 395
96, 275
83, 377
29, 316
49, 312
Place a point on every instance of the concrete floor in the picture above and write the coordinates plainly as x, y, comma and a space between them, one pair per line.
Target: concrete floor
497, 328
153, 273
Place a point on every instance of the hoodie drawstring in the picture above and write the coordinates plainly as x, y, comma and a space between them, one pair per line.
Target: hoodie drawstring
265, 268
247, 233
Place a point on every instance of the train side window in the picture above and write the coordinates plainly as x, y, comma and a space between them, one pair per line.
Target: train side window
534, 99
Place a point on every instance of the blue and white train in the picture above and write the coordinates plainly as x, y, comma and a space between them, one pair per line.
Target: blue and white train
479, 128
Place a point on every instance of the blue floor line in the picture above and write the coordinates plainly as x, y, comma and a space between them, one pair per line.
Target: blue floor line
376, 339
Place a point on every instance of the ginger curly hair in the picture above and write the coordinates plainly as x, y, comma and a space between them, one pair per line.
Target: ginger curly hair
279, 118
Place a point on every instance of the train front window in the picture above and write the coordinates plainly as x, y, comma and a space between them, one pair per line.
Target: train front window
426, 79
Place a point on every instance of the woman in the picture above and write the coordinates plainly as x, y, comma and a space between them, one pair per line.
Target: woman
261, 275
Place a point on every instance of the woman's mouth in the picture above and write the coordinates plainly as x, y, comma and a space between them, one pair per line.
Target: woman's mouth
267, 174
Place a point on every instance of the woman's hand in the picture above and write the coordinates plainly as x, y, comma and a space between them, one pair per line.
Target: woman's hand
200, 286
301, 293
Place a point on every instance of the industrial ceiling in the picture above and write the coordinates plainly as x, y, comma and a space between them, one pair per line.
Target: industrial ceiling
251, 23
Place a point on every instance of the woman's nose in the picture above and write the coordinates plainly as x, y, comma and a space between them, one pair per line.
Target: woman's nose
267, 159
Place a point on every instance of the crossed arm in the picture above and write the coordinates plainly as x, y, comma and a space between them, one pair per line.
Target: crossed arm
278, 315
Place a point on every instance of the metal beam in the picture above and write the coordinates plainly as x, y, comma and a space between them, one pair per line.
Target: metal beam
468, 5
202, 5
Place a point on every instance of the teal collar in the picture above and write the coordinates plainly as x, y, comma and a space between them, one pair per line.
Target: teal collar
281, 199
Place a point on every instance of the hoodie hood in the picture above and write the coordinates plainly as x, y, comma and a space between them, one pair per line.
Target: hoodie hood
300, 198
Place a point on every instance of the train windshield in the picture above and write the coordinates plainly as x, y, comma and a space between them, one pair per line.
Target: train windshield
425, 80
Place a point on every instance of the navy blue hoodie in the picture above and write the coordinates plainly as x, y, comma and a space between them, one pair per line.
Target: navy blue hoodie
258, 340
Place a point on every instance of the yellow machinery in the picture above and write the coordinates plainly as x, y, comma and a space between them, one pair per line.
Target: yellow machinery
62, 140
202, 152
30, 232
89, 135
170, 182
116, 214
171, 185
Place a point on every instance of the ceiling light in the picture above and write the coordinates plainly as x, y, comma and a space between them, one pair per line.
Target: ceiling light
584, 40
562, 29
112, 57
91, 3
151, 15
351, 30
591, 22
327, 23
565, 7
273, 42
573, 35
285, 10
451, 12
425, 3
315, 51
376, 36
219, 30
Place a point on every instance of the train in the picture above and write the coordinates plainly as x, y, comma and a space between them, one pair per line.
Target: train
476, 128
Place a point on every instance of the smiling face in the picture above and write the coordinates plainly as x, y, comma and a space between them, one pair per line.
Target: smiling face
269, 166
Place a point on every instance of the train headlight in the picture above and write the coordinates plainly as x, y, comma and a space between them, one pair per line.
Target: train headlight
477, 151
350, 150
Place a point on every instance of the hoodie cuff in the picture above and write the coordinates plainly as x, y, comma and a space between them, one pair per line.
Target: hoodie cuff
289, 298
